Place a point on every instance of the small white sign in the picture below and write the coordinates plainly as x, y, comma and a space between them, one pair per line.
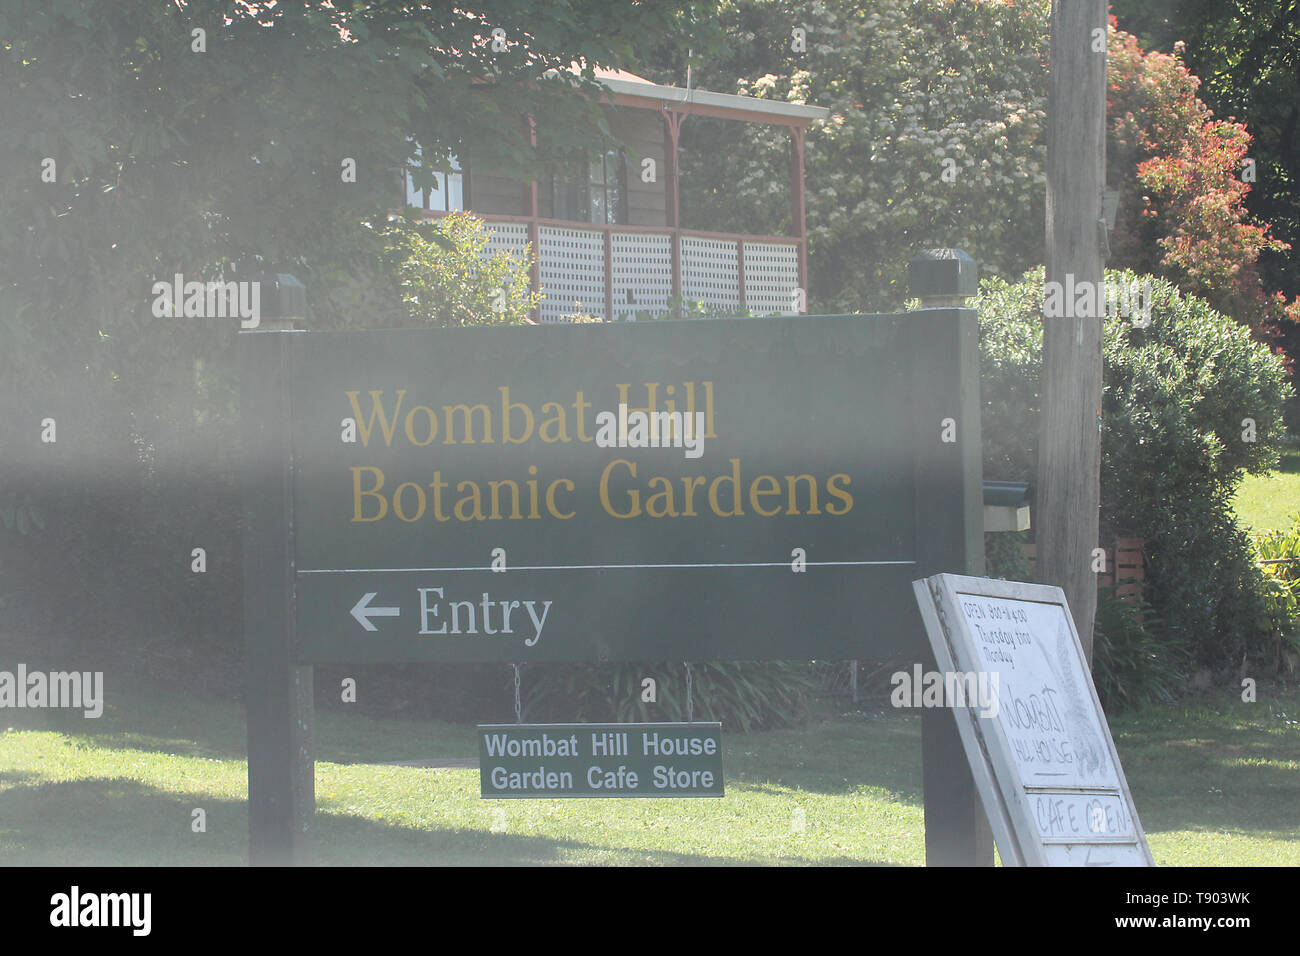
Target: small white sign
1044, 761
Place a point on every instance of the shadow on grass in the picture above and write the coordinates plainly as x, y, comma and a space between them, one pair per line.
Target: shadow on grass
1233, 771
115, 822
1205, 766
881, 753
404, 846
141, 716
832, 757
120, 822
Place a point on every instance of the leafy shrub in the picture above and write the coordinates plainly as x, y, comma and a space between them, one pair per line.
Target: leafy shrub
1280, 552
447, 280
1011, 348
688, 309
702, 310
1004, 556
1131, 665
746, 695
1173, 448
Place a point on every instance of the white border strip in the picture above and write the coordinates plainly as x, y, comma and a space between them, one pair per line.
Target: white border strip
602, 567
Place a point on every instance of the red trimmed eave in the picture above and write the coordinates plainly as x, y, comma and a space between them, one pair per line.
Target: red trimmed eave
654, 102
654, 99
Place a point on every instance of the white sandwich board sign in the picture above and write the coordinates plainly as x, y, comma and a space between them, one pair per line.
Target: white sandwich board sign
1043, 758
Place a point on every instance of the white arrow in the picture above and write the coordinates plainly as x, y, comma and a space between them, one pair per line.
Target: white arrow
363, 612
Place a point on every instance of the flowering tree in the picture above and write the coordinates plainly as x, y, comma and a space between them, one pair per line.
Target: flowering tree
1186, 176
1248, 55
937, 137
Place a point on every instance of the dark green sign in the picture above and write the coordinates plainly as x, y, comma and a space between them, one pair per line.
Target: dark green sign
654, 491
600, 760
534, 493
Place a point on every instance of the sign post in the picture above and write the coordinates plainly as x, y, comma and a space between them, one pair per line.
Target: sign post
277, 689
949, 522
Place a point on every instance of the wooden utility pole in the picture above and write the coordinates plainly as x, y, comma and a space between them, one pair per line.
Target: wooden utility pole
1069, 442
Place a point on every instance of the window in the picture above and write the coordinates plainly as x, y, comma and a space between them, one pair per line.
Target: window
592, 189
606, 190
449, 194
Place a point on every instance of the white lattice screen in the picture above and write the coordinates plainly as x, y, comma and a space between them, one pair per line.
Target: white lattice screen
504, 237
642, 266
572, 266
572, 271
710, 273
771, 276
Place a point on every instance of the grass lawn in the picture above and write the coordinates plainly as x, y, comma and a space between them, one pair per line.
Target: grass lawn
1269, 502
1216, 782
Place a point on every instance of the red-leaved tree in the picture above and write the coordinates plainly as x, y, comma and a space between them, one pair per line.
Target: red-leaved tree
1185, 217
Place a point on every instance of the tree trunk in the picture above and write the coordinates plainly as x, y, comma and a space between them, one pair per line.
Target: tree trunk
1069, 445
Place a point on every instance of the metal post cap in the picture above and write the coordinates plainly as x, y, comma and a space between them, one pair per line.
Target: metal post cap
942, 272
283, 296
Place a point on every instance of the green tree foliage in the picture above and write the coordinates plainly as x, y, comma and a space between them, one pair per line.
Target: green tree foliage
1174, 445
217, 139
167, 159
